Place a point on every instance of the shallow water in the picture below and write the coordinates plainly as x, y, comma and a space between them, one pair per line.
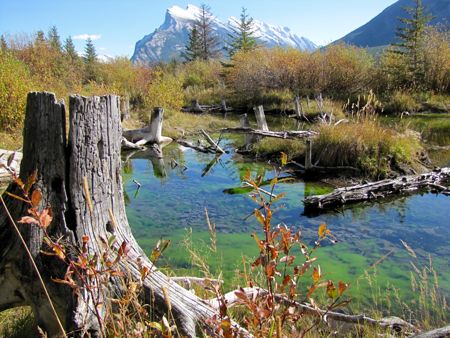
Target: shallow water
172, 200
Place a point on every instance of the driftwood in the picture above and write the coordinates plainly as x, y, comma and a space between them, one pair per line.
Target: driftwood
377, 190
443, 332
212, 142
293, 134
198, 108
14, 158
196, 146
80, 178
150, 134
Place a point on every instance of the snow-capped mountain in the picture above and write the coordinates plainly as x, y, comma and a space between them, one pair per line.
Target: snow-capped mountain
169, 40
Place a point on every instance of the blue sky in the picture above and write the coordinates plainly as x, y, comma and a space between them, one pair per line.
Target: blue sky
117, 25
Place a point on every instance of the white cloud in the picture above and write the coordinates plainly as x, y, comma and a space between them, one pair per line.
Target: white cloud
87, 36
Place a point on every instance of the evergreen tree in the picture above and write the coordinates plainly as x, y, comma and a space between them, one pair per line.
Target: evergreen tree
90, 55
208, 40
69, 49
54, 39
193, 48
3, 43
242, 35
411, 42
40, 38
90, 60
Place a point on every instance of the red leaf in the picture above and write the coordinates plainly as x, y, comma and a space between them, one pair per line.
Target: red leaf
28, 220
36, 197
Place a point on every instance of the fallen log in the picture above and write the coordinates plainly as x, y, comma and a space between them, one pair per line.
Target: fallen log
212, 143
292, 134
9, 159
199, 147
377, 190
443, 332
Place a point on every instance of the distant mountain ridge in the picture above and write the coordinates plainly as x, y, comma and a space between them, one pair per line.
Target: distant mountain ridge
381, 30
169, 40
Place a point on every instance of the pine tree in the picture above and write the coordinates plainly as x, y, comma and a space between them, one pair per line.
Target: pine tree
69, 49
242, 35
40, 38
208, 40
90, 55
193, 48
54, 39
90, 60
3, 43
411, 42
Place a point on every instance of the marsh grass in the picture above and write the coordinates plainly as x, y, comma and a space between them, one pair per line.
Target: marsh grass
374, 149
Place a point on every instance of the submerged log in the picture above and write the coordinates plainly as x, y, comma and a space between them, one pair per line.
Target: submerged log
377, 190
80, 178
292, 134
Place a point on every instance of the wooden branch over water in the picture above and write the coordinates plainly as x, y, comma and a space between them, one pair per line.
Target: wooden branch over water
379, 189
292, 134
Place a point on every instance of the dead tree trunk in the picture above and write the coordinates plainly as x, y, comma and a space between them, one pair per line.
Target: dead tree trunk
261, 118
67, 169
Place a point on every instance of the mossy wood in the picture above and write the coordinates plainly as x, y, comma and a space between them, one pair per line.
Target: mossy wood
90, 154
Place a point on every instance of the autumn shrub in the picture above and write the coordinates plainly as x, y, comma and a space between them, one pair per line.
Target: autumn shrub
437, 60
346, 70
14, 86
164, 90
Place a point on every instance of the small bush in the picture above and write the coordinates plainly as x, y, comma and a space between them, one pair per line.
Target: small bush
14, 86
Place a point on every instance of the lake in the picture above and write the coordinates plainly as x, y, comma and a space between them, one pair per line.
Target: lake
369, 253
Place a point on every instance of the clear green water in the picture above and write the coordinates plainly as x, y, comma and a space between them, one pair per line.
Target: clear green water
172, 200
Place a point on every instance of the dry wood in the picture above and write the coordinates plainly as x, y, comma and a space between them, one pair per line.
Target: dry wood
212, 142
127, 145
376, 190
261, 190
443, 332
293, 134
14, 157
260, 118
199, 147
149, 134
187, 280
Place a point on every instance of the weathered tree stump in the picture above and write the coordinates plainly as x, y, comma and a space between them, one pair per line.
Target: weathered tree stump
89, 160
260, 118
150, 134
